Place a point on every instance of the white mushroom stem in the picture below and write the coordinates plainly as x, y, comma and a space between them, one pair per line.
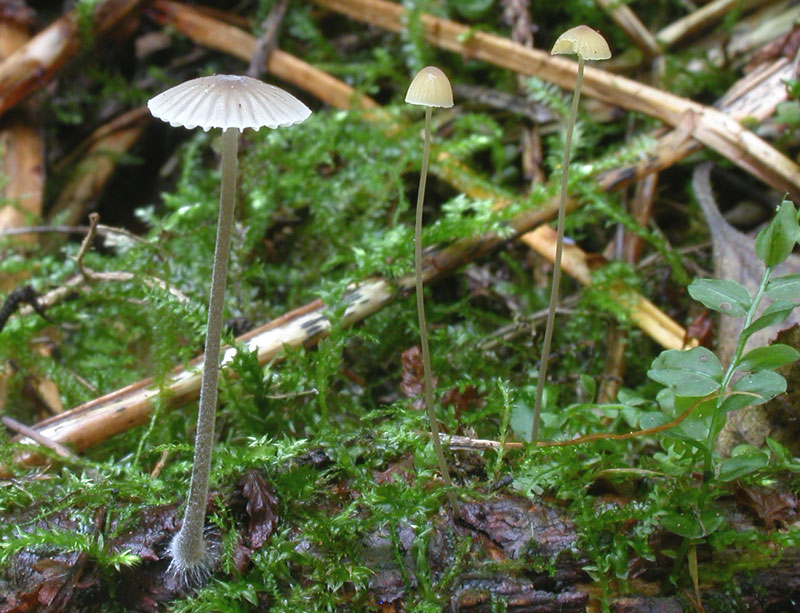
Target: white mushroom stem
188, 548
423, 329
562, 207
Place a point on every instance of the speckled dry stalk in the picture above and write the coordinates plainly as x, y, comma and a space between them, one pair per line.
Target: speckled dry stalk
188, 548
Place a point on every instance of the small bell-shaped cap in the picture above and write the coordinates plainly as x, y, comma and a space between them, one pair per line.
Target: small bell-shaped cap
430, 87
584, 42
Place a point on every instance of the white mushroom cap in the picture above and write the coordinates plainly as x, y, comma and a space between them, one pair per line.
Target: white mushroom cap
430, 87
582, 41
227, 101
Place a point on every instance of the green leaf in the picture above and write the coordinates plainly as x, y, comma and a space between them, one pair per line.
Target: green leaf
780, 452
768, 358
692, 429
783, 457
473, 9
728, 297
775, 242
773, 314
590, 385
759, 387
522, 420
682, 525
652, 420
784, 288
692, 526
696, 372
744, 460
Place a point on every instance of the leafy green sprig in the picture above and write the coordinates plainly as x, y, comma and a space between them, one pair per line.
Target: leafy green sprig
697, 373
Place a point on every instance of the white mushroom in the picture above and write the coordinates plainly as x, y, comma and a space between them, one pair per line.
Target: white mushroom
232, 103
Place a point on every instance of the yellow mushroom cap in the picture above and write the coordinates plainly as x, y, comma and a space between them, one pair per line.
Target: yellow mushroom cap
227, 101
430, 87
583, 41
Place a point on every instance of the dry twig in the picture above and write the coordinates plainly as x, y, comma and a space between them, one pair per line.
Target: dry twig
39, 60
703, 18
626, 19
268, 40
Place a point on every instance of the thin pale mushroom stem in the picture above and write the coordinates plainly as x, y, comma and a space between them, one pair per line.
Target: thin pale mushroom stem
423, 328
562, 207
188, 547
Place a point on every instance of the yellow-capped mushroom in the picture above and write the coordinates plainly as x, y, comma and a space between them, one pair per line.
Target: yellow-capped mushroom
587, 44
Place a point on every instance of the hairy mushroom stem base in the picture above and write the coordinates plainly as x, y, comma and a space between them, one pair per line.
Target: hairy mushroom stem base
423, 328
562, 207
188, 548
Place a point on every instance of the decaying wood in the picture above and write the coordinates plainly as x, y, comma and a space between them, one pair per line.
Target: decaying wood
21, 144
39, 60
707, 125
615, 363
505, 547
627, 246
768, 34
516, 13
642, 208
22, 163
504, 101
15, 426
22, 172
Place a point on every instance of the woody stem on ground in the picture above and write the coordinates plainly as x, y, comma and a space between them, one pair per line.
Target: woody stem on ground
562, 207
423, 330
188, 547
